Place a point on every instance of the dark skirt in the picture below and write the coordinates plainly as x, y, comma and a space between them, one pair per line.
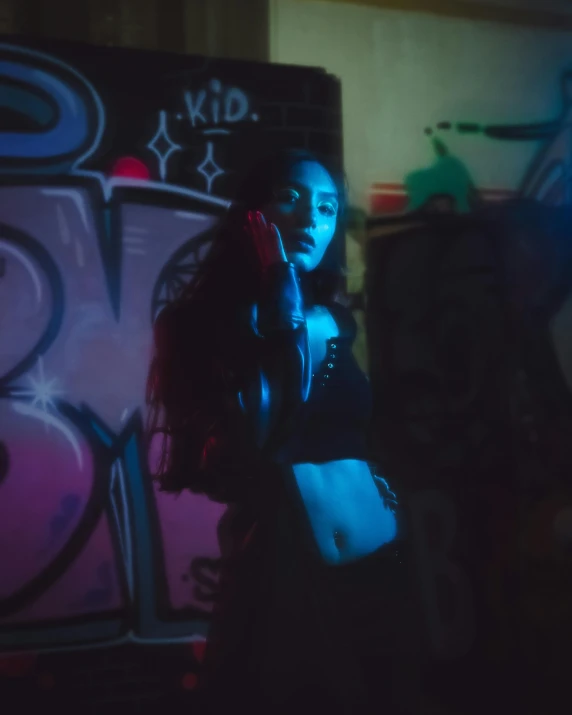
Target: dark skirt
292, 634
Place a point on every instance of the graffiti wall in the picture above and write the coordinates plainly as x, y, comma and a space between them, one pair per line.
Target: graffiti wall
115, 167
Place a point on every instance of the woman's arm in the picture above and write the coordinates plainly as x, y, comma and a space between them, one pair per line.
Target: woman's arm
256, 407
279, 379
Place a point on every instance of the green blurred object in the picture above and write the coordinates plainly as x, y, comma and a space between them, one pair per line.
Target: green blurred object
446, 177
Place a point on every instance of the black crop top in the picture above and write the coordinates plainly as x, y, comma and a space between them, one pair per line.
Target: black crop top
333, 423
263, 405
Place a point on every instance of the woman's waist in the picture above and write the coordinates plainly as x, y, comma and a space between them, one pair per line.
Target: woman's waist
335, 470
334, 486
347, 514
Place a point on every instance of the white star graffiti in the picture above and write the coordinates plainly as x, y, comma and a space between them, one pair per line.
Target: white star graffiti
42, 391
209, 168
160, 141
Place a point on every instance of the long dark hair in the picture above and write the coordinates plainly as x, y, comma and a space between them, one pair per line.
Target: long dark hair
187, 332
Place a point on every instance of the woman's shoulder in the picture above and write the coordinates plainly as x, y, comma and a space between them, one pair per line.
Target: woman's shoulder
344, 318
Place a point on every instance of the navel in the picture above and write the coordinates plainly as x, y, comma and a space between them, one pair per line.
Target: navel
339, 540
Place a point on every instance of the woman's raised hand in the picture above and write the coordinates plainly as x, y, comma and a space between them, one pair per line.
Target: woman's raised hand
267, 240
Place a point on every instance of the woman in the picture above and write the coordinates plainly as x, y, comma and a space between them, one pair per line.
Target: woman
266, 410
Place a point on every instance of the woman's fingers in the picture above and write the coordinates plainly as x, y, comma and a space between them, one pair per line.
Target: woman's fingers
280, 252
254, 230
267, 239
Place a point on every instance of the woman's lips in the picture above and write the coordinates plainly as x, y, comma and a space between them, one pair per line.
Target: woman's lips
302, 242
300, 247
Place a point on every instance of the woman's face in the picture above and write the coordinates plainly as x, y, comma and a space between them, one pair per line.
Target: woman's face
305, 211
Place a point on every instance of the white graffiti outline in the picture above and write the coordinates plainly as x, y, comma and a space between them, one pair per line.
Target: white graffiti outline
107, 186
76, 199
99, 108
29, 411
210, 176
162, 133
123, 527
9, 248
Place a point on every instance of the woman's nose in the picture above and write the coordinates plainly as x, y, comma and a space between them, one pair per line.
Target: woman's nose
308, 216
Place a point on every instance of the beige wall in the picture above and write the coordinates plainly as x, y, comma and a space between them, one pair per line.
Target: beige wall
404, 71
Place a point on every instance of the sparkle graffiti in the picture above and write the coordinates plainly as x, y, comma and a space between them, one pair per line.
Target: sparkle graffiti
86, 261
210, 111
162, 145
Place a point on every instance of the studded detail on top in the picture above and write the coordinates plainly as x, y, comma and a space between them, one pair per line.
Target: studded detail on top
329, 362
333, 423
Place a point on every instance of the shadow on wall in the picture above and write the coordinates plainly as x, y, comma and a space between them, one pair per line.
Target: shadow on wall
468, 296
469, 325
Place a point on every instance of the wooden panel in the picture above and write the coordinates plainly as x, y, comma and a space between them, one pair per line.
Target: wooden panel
245, 29
238, 29
196, 30
171, 25
7, 16
124, 23
66, 19
235, 29
30, 17
105, 22
139, 22
60, 19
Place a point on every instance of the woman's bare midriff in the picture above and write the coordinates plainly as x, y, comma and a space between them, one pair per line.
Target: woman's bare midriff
348, 516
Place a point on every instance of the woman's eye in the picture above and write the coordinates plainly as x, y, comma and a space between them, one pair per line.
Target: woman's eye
287, 197
328, 209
